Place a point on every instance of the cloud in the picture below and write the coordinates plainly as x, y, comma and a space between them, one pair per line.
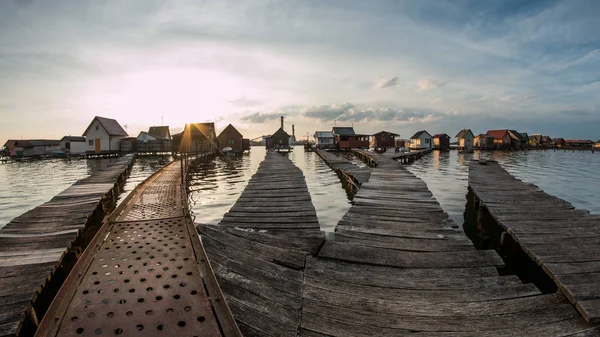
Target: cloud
437, 100
259, 117
327, 113
245, 102
429, 83
382, 82
348, 112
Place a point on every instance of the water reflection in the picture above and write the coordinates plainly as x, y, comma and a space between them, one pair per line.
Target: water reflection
216, 185
26, 185
567, 175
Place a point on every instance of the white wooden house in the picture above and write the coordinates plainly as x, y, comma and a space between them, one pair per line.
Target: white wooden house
324, 140
104, 135
465, 139
145, 136
73, 145
421, 140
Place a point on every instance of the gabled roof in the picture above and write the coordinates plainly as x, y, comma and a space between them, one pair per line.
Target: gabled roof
462, 133
73, 139
419, 133
230, 128
159, 132
280, 133
387, 133
200, 129
111, 126
323, 134
440, 135
146, 133
516, 135
497, 134
343, 131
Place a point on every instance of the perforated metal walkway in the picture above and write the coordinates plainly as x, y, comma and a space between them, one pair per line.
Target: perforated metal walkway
146, 276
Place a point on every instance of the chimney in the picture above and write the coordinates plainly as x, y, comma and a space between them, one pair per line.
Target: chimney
293, 131
282, 122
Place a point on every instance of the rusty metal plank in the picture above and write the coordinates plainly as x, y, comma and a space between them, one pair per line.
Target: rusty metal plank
143, 280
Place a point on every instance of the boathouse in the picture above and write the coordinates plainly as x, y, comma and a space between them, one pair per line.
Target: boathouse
346, 138
421, 140
324, 140
104, 135
383, 139
517, 140
160, 132
31, 147
279, 140
502, 139
559, 142
199, 138
483, 142
441, 141
597, 145
538, 140
580, 143
465, 139
73, 145
231, 137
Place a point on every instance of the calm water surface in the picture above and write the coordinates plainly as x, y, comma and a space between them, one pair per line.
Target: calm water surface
26, 185
571, 176
215, 186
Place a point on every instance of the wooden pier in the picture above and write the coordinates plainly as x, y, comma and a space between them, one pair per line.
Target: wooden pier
144, 274
39, 248
259, 249
347, 171
396, 266
562, 240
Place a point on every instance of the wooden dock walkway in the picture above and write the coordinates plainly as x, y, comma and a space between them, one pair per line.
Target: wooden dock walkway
145, 273
348, 171
562, 240
39, 247
259, 249
397, 266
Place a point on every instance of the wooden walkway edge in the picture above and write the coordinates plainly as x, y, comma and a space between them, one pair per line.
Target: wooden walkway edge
146, 272
562, 240
39, 247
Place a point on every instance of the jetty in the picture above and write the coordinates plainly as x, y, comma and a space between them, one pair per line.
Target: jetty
144, 273
562, 240
347, 171
39, 248
259, 249
397, 265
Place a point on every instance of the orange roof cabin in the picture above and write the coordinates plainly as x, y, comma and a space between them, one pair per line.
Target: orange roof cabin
502, 139
232, 138
346, 138
441, 141
199, 138
484, 142
580, 143
383, 139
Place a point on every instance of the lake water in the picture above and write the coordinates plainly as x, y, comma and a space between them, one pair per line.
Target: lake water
216, 185
26, 185
569, 175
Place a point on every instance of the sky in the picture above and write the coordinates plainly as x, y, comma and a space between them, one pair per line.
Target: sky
399, 66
